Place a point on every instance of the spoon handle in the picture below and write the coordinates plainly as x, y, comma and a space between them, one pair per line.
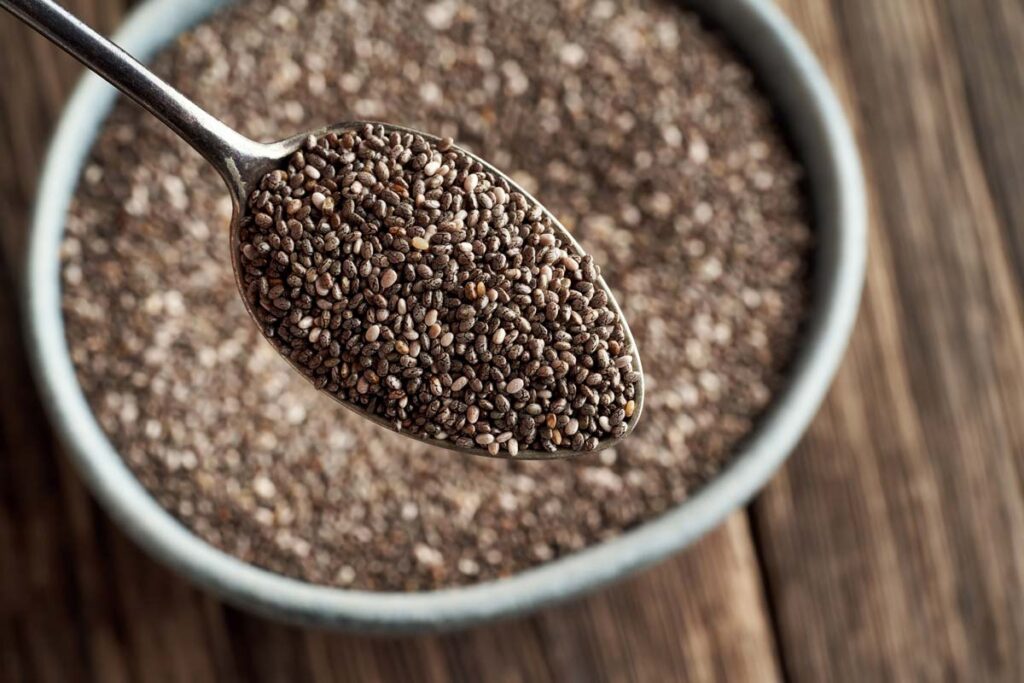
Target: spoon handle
226, 149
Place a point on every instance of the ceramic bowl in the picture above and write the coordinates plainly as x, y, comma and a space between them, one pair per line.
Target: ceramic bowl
813, 118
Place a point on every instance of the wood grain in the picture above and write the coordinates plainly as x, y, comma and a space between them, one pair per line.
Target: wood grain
891, 547
993, 84
893, 540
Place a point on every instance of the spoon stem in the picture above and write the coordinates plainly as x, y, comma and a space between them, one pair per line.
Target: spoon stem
229, 151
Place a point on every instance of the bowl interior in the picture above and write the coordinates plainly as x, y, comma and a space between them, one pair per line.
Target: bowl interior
816, 124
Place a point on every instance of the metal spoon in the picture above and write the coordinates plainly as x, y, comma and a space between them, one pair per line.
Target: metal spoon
242, 163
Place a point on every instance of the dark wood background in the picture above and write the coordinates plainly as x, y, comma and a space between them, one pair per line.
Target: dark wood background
891, 547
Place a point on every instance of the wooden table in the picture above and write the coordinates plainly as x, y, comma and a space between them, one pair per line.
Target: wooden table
891, 547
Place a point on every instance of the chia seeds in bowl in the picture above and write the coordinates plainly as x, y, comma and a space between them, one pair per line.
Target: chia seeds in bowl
645, 135
690, 197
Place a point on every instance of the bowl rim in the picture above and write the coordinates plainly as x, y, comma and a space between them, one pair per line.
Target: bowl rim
776, 52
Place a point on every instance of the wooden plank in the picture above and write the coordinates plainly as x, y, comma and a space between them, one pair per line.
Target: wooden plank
990, 45
37, 79
894, 540
78, 601
40, 619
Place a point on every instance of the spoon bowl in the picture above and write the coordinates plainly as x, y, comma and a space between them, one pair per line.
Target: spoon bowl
245, 167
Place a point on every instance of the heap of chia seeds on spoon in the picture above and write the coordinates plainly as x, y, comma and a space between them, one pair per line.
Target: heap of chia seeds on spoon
408, 280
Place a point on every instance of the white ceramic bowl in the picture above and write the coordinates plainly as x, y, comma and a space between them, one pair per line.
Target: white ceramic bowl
815, 122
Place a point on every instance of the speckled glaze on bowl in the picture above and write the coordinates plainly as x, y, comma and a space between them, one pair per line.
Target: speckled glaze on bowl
815, 122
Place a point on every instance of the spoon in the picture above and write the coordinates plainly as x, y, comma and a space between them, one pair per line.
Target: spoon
242, 163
